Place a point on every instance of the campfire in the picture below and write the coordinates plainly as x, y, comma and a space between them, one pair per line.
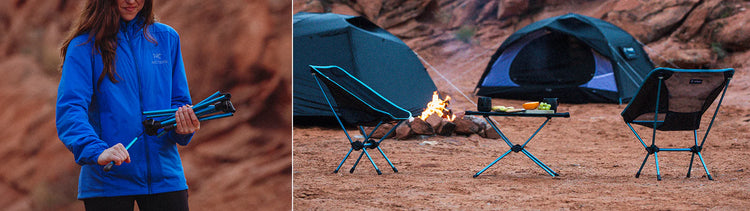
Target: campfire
437, 119
438, 107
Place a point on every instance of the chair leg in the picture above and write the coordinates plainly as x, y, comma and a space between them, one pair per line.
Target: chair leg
357, 162
690, 167
373, 162
642, 164
704, 166
342, 161
658, 173
386, 159
493, 163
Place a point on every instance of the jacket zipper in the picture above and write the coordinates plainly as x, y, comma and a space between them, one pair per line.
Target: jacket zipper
140, 99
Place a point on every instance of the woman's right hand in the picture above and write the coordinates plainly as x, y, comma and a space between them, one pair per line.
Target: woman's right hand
116, 153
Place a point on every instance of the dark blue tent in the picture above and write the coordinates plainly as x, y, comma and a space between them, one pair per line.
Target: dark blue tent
572, 57
368, 52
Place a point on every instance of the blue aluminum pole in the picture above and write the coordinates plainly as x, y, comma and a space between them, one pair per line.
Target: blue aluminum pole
493, 163
342, 161
539, 163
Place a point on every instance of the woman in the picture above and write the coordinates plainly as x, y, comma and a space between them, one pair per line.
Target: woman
117, 63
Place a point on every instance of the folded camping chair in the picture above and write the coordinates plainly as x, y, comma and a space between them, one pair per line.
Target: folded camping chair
356, 103
675, 100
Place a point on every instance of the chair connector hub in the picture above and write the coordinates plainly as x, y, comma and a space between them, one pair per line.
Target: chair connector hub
357, 145
152, 126
371, 144
696, 149
652, 149
516, 148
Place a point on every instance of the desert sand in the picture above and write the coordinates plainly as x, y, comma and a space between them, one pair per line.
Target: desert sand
595, 153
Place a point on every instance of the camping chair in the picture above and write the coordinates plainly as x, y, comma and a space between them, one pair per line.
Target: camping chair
675, 100
356, 103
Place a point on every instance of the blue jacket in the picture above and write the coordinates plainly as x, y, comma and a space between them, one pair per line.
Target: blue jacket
151, 77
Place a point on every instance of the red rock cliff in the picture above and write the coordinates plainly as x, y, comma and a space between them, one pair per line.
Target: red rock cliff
237, 163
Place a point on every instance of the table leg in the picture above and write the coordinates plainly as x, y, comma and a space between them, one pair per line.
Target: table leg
493, 163
540, 163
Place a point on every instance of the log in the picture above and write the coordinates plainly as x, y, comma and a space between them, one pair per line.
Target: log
380, 132
421, 127
445, 128
466, 127
403, 131
434, 120
490, 133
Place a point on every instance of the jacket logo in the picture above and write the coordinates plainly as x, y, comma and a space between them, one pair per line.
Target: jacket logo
157, 59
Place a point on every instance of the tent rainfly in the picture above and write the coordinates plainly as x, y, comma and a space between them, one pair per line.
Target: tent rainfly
368, 52
572, 57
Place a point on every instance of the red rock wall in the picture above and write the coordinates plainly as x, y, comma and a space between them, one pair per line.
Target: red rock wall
687, 33
237, 163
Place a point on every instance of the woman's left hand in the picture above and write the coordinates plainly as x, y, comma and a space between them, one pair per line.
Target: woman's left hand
186, 120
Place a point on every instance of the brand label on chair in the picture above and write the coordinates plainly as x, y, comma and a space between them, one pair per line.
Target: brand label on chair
696, 81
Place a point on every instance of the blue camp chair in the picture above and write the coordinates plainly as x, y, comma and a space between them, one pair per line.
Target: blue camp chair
675, 100
356, 103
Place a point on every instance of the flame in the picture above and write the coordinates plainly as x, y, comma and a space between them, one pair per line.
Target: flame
438, 107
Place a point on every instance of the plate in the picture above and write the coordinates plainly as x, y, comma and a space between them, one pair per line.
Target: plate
539, 111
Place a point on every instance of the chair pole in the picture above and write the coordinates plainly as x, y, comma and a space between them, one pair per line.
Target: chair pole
342, 161
391, 131
656, 159
342, 127
332, 109
716, 111
371, 161
656, 111
367, 136
653, 136
636, 135
357, 162
708, 174
386, 159
381, 150
642, 164
690, 168
692, 152
721, 99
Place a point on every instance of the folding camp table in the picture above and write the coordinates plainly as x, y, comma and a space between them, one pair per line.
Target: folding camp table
518, 148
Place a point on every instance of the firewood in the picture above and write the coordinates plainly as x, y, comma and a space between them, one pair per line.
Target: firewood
434, 120
403, 131
421, 127
445, 128
490, 133
466, 127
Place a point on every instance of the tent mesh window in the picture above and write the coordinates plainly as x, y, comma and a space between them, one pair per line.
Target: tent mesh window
553, 59
363, 23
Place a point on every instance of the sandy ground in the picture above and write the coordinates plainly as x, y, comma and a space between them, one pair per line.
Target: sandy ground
594, 152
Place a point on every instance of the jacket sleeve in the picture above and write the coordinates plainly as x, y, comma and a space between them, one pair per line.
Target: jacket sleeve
180, 90
73, 100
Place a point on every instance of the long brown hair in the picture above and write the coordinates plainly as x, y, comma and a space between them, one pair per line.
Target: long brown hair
100, 19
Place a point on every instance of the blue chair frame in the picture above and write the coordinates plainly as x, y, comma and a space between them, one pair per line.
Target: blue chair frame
657, 124
357, 91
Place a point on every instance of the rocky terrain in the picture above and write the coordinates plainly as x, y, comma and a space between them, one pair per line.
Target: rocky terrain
241, 47
596, 154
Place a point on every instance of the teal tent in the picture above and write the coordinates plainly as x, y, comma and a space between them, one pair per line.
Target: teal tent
571, 57
368, 52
